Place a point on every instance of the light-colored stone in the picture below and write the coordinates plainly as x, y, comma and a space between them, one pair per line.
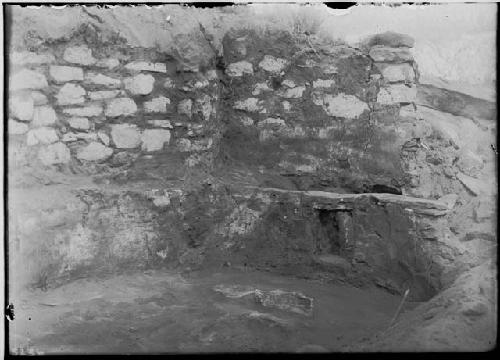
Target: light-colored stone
473, 185
57, 153
66, 73
94, 152
342, 105
160, 123
154, 139
260, 88
211, 75
100, 79
203, 106
323, 83
17, 128
125, 136
39, 98
185, 107
22, 106
71, 94
103, 94
271, 122
272, 64
169, 84
250, 105
108, 63
43, 116
239, 69
141, 84
79, 123
81, 55
389, 54
157, 105
450, 200
120, 107
294, 93
286, 106
71, 136
42, 135
396, 94
27, 79
146, 66
470, 164
31, 58
397, 72
288, 83
103, 137
89, 111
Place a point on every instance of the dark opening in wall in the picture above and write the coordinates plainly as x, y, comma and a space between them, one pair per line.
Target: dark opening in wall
381, 188
329, 242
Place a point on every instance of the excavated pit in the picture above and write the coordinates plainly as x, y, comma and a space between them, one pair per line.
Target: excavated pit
254, 191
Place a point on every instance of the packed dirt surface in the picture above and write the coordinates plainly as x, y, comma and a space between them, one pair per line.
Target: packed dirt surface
160, 311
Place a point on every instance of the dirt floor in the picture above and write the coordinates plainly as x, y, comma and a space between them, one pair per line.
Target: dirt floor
159, 311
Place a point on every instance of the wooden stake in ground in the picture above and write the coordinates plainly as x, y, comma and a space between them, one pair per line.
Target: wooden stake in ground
400, 307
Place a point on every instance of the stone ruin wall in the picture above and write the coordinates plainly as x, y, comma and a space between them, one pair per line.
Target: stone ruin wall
275, 112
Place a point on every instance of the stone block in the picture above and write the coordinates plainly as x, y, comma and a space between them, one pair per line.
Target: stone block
260, 88
103, 94
342, 105
94, 152
250, 105
108, 63
71, 94
160, 123
388, 54
154, 139
272, 64
397, 72
295, 93
17, 128
79, 123
103, 137
203, 106
86, 111
27, 79
239, 69
120, 107
39, 98
66, 73
141, 84
22, 106
81, 55
125, 136
43, 116
397, 94
100, 79
323, 83
30, 58
42, 135
146, 66
185, 107
156, 105
57, 153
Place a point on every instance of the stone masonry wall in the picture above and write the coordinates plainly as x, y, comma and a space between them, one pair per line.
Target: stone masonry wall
325, 115
96, 108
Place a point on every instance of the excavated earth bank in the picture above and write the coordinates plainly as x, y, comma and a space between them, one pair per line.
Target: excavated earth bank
242, 190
